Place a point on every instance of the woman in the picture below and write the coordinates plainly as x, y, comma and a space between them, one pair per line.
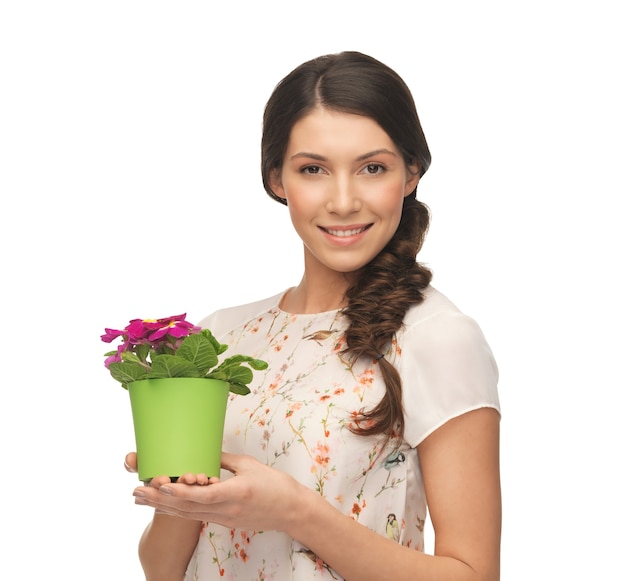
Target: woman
380, 398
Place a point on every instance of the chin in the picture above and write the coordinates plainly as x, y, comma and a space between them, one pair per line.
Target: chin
348, 268
343, 264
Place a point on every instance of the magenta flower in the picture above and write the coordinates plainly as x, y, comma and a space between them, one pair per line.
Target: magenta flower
174, 327
111, 334
138, 331
173, 347
158, 334
152, 331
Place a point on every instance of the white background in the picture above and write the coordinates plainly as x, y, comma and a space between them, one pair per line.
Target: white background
130, 187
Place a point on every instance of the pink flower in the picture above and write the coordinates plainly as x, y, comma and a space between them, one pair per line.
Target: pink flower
142, 331
173, 326
138, 331
168, 331
173, 347
111, 334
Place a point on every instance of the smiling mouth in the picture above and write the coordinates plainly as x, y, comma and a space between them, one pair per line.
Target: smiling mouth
344, 233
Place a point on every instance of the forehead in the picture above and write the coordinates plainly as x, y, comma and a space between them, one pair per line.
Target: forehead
325, 130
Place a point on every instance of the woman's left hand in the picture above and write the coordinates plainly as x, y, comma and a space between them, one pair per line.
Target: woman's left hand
257, 497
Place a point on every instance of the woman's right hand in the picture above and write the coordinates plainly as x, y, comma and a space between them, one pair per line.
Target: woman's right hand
130, 463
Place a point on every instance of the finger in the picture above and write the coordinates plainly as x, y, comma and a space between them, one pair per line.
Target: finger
181, 500
188, 478
130, 462
175, 494
159, 481
230, 462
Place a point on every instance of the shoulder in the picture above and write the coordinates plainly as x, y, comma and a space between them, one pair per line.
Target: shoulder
438, 320
446, 364
223, 320
435, 305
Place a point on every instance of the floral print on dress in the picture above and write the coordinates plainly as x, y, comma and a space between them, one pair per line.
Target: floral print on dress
297, 419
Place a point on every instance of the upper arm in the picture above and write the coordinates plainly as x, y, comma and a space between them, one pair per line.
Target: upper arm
448, 369
460, 466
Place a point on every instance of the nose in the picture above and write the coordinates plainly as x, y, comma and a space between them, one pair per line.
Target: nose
343, 197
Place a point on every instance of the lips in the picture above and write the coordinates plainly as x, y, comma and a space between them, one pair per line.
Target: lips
345, 232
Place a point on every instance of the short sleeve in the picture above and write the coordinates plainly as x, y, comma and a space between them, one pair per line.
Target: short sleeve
447, 369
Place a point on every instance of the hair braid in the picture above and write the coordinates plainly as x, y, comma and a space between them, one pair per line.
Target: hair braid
377, 304
352, 82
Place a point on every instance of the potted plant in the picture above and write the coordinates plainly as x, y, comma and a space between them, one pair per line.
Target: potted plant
178, 392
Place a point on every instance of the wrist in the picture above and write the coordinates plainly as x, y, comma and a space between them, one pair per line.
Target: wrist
306, 508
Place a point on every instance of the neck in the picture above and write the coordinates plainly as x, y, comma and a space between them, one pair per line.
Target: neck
316, 296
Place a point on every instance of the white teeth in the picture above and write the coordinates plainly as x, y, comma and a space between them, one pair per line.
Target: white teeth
343, 233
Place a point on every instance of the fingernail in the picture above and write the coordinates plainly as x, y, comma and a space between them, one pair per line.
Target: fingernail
166, 490
138, 493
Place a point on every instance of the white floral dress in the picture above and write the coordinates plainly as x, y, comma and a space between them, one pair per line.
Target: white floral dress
297, 420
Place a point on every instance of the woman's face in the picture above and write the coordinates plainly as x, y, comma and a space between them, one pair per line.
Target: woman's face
344, 181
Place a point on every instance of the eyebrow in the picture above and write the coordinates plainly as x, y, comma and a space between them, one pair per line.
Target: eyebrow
360, 158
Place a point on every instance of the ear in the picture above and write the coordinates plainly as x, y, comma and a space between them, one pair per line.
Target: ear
412, 178
276, 183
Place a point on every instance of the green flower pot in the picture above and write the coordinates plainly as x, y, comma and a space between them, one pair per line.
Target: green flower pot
179, 425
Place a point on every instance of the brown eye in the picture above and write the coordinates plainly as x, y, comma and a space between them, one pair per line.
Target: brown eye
374, 168
312, 169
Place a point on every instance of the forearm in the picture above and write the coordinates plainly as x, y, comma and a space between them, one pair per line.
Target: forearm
460, 465
358, 553
166, 547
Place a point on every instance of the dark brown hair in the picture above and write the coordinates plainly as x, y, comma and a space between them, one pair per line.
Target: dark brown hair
377, 301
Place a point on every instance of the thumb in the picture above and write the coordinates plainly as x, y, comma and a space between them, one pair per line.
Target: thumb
130, 462
231, 462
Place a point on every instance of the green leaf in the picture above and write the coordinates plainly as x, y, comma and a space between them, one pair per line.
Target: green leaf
239, 389
162, 349
142, 351
236, 360
127, 371
199, 350
172, 366
219, 347
130, 357
234, 372
238, 375
256, 364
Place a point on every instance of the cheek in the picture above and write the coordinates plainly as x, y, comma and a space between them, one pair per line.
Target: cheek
301, 213
389, 203
304, 200
298, 208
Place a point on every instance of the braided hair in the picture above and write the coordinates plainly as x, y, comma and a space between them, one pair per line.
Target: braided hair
384, 289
